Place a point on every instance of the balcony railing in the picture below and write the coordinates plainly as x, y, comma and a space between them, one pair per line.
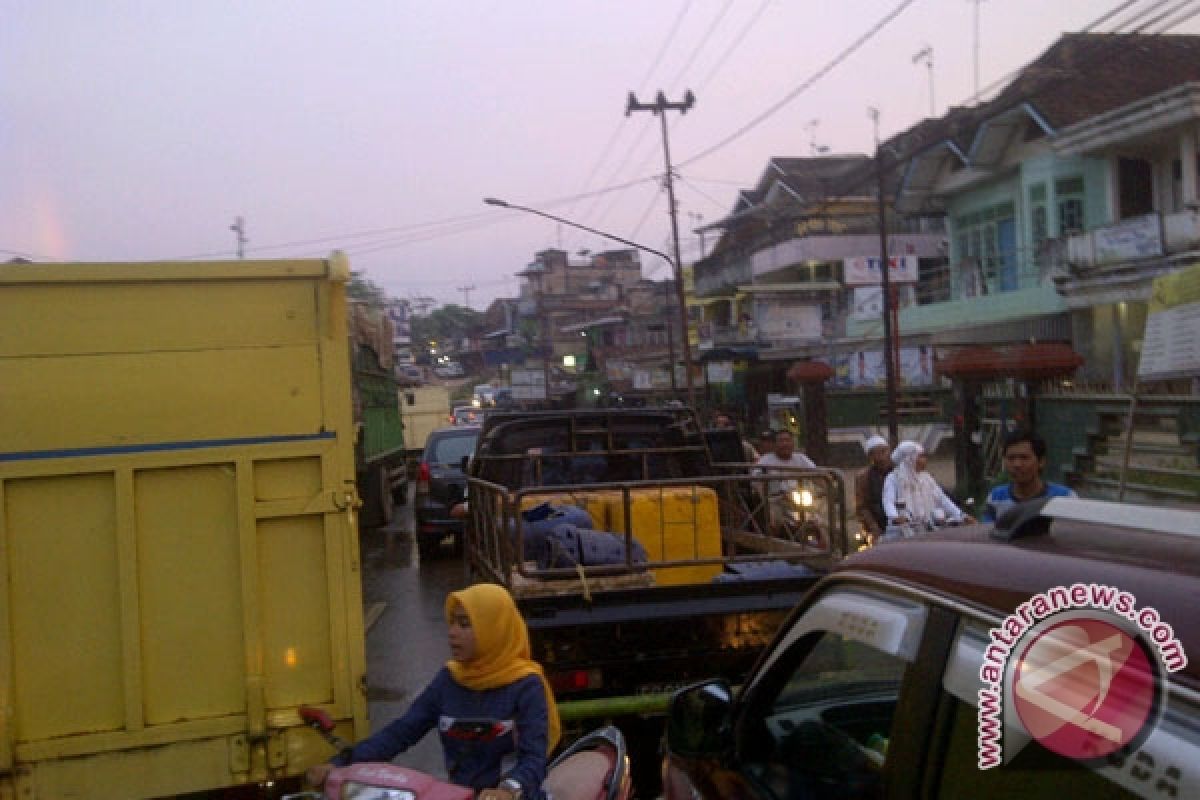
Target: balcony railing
1134, 239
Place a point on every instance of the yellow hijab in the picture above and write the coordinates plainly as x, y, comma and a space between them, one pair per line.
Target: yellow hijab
502, 653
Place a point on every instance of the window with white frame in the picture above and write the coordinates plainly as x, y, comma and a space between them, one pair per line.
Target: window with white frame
1069, 193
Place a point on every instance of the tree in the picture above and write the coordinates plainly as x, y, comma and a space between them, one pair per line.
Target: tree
451, 323
366, 290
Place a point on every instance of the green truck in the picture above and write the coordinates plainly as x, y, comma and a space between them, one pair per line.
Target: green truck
379, 452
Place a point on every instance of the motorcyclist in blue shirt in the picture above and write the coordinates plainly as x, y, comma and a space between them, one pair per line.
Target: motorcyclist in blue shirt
1024, 461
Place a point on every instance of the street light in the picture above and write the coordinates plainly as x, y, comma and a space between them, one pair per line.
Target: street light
675, 267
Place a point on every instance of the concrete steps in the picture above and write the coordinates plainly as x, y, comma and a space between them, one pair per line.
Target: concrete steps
1163, 466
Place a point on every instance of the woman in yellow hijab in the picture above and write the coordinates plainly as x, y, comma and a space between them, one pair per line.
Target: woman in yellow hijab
494, 710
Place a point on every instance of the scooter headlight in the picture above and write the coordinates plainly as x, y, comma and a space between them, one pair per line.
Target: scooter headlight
361, 791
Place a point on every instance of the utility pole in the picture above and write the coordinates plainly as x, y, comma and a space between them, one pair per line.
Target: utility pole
889, 351
239, 227
466, 290
660, 106
976, 4
926, 55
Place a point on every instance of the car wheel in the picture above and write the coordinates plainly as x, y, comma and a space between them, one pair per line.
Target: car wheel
386, 502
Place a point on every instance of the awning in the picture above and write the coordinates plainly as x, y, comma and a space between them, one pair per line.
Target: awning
1026, 361
575, 327
798, 286
809, 372
747, 353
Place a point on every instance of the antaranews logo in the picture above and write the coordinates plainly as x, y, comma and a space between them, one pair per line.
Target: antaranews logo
1088, 674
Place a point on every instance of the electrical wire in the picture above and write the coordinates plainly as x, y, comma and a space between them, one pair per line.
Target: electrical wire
414, 231
685, 182
598, 219
662, 50
737, 41
645, 216
1090, 53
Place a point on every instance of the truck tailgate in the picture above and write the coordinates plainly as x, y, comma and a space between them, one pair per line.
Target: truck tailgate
639, 641
178, 557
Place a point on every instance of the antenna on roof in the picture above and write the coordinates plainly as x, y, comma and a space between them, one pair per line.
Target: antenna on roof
925, 55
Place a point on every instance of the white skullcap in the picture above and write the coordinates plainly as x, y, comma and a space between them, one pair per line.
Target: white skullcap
873, 442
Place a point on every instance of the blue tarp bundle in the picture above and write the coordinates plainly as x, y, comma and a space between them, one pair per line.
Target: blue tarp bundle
569, 545
540, 520
762, 570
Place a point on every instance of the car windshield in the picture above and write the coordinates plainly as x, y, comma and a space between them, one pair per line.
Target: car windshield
452, 449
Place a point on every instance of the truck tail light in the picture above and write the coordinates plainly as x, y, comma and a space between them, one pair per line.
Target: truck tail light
423, 478
576, 680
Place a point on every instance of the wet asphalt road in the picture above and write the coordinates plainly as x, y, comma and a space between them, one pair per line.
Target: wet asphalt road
406, 633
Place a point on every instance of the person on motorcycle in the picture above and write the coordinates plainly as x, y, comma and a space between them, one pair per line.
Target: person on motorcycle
779, 490
910, 483
868, 487
491, 703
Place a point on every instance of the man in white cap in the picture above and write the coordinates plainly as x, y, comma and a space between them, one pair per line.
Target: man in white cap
868, 487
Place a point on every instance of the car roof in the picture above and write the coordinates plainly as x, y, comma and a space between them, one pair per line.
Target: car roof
973, 566
456, 430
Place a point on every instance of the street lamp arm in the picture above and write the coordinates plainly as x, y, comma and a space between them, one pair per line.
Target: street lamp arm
493, 201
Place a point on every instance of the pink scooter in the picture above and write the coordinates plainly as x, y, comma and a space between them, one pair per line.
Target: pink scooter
594, 767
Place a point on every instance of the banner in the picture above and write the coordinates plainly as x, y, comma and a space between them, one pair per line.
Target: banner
865, 369
865, 271
1171, 345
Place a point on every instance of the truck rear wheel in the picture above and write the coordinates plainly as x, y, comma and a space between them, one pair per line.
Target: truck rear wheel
376, 498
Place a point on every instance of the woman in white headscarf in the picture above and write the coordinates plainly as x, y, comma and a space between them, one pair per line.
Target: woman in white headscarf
910, 483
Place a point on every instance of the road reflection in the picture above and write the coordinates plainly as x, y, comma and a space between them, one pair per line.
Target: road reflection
406, 644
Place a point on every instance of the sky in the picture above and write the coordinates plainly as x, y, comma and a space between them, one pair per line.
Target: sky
134, 131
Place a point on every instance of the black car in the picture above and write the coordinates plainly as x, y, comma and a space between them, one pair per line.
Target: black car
441, 482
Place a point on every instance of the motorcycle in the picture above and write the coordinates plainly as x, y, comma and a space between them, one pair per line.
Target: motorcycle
594, 767
798, 516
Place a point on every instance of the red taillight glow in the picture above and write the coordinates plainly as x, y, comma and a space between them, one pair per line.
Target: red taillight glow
423, 477
575, 681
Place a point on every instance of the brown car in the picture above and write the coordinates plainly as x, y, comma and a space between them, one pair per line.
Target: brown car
1045, 657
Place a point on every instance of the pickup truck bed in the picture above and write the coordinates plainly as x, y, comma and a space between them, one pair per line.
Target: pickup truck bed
616, 638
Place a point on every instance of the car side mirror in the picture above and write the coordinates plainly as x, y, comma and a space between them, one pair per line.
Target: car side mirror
700, 720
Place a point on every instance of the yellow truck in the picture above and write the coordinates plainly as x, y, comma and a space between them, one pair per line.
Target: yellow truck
423, 409
179, 565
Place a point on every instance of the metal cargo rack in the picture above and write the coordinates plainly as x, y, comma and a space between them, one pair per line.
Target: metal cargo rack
748, 534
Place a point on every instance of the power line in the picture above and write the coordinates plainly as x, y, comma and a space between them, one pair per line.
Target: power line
807, 84
712, 27
415, 232
704, 39
1089, 53
662, 50
700, 192
645, 214
737, 40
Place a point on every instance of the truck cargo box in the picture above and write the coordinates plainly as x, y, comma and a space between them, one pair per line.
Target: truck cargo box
179, 564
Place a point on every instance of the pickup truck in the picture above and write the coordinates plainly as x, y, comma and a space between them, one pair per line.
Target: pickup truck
703, 577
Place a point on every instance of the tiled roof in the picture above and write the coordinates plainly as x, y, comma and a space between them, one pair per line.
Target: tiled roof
819, 178
1080, 76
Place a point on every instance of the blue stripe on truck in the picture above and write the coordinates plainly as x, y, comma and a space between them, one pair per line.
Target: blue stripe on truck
154, 447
